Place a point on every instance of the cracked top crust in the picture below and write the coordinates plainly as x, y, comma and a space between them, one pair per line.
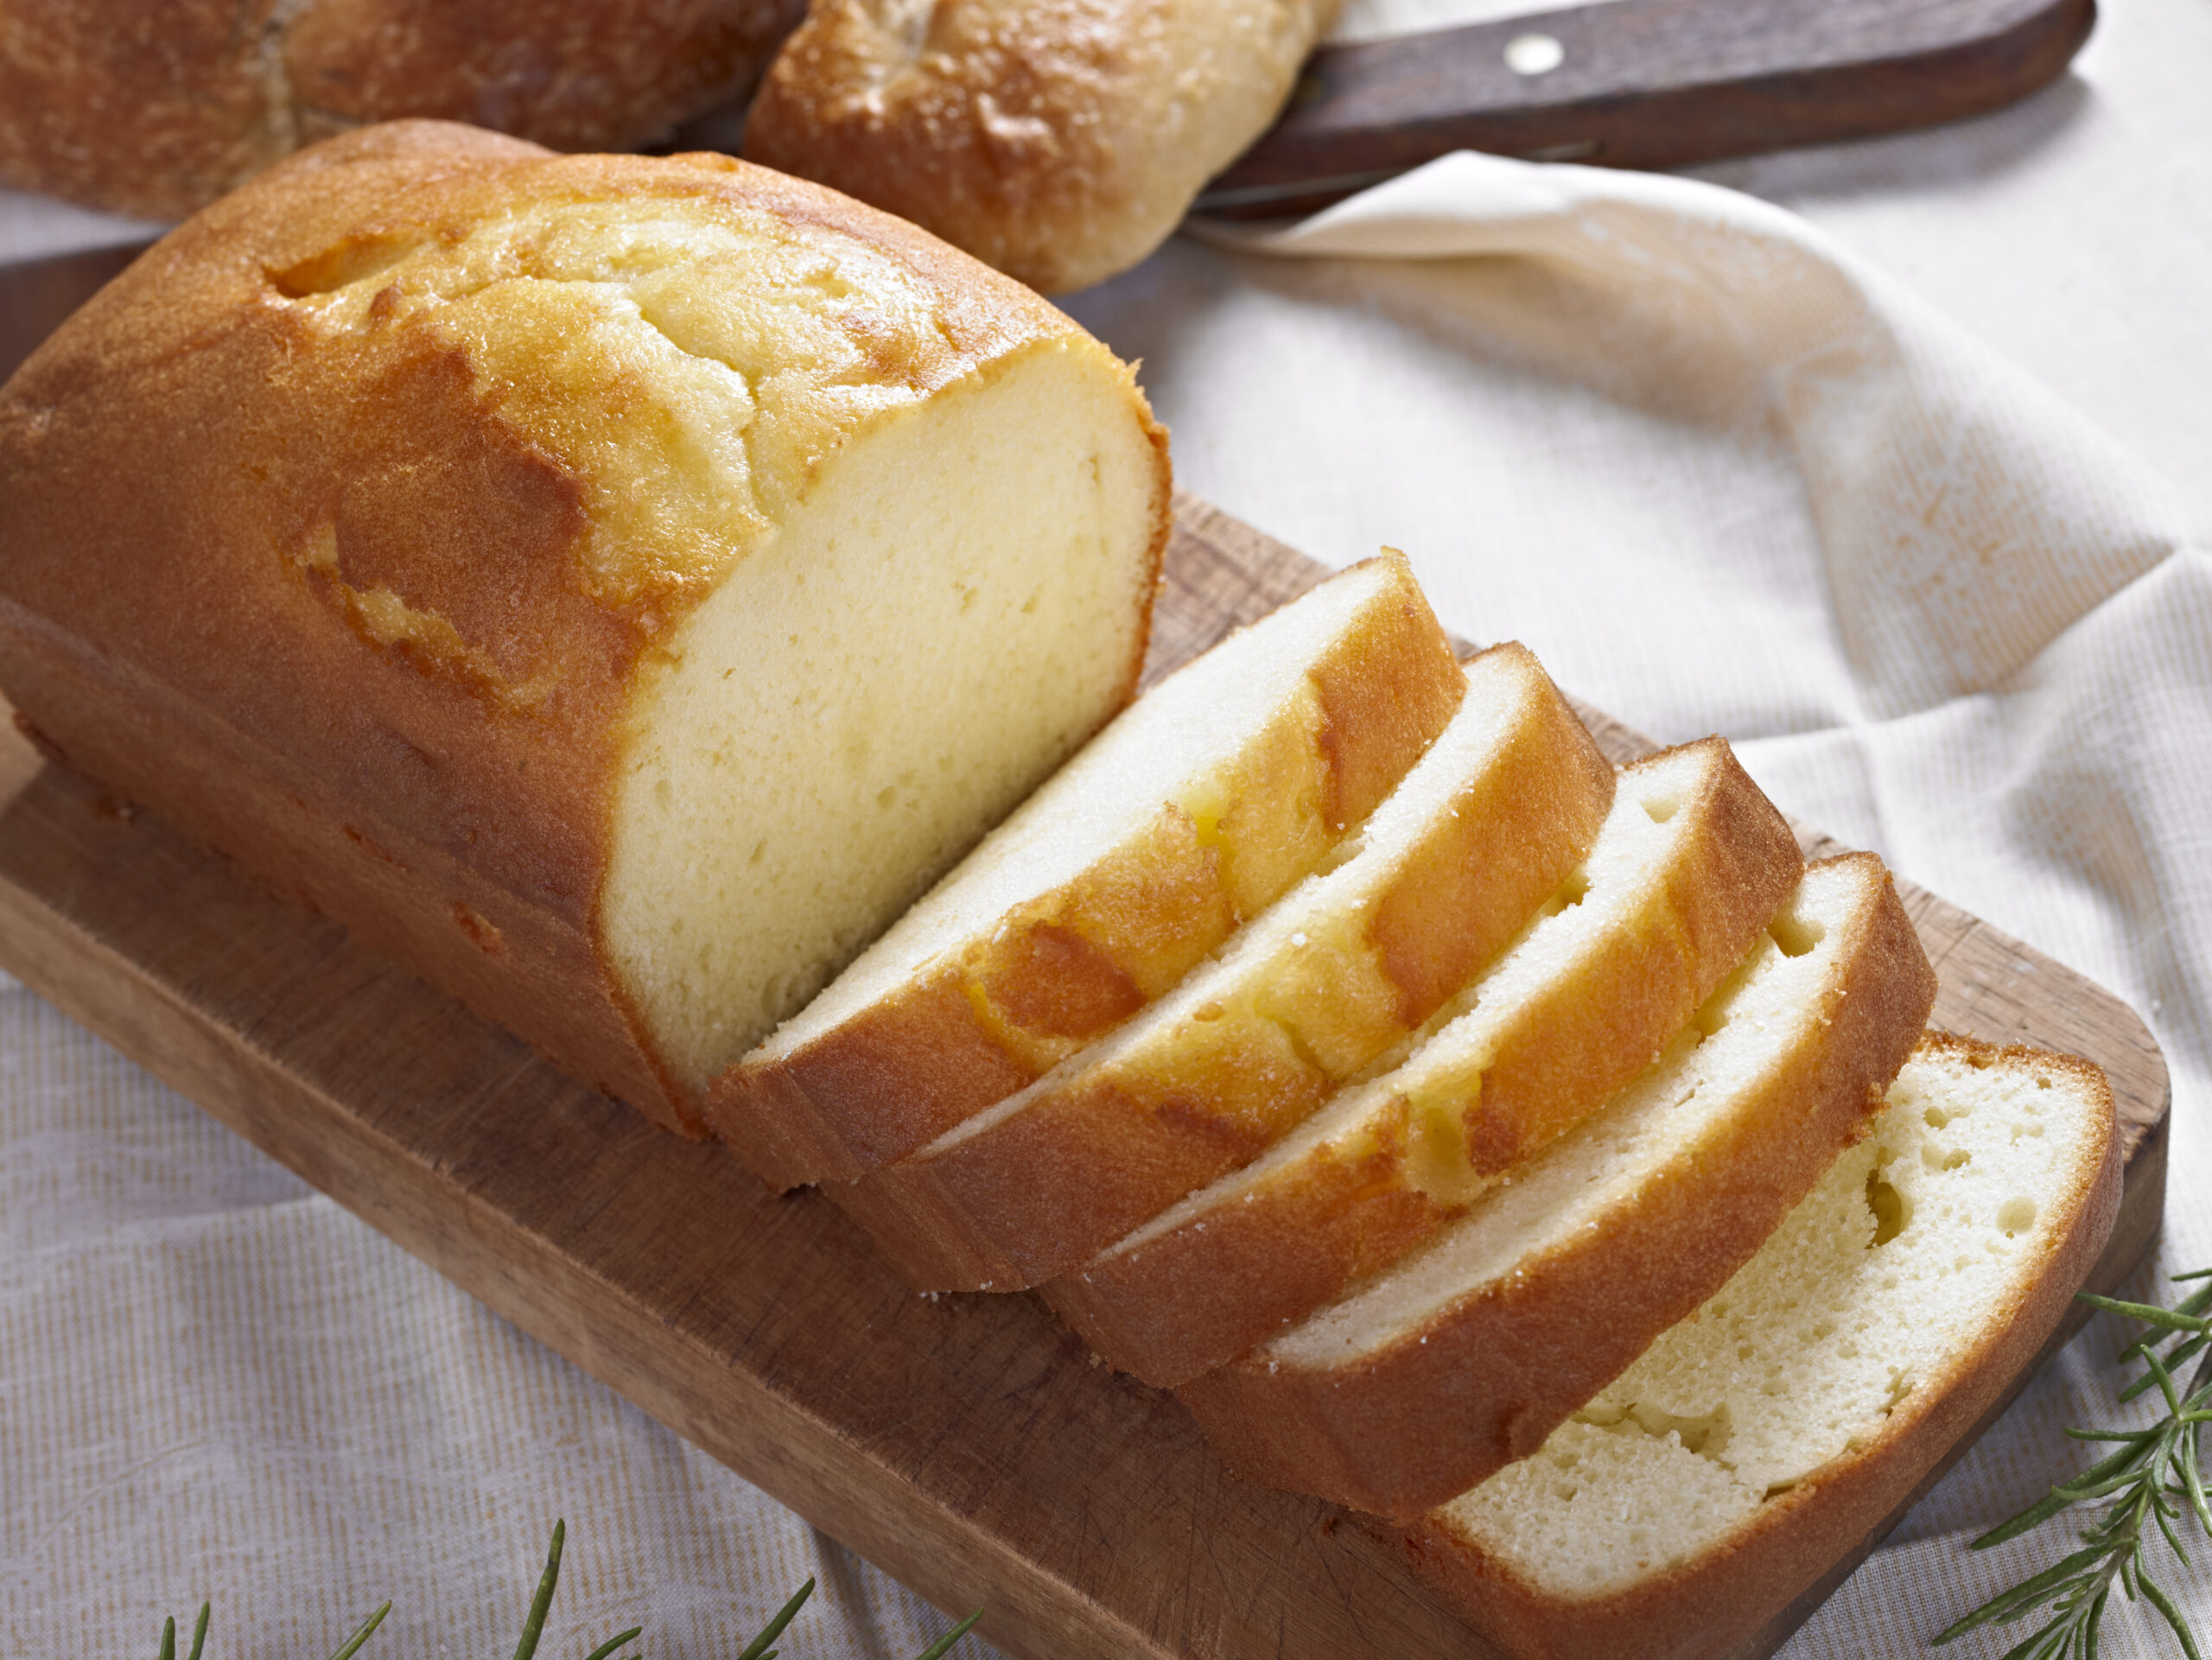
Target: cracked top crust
670, 348
689, 359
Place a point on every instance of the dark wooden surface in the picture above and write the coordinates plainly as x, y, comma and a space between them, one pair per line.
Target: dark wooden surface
37, 295
967, 1444
1648, 84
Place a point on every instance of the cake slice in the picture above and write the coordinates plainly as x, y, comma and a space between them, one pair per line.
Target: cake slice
1205, 801
1713, 1482
1465, 1355
1692, 863
1505, 804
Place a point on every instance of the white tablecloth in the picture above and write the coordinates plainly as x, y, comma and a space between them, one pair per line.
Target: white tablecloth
1911, 504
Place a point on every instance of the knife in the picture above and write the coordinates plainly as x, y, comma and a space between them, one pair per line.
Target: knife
1625, 83
1645, 84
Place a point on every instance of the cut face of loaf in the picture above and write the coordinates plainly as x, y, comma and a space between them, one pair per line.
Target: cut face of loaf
1503, 806
1690, 865
1714, 1480
1466, 1354
1219, 789
1060, 140
616, 588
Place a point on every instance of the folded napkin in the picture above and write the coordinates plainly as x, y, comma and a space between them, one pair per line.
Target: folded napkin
1730, 477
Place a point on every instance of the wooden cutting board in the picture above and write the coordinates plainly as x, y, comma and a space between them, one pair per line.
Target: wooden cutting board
967, 1444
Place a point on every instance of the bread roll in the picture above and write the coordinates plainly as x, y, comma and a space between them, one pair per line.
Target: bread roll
156, 107
616, 588
1058, 140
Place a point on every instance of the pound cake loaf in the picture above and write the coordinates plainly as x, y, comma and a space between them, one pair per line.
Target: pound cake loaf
1715, 1480
156, 107
1444, 874
615, 587
1060, 140
1220, 788
1424, 1379
1689, 866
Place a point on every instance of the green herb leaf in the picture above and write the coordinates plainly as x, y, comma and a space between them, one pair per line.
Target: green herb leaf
942, 1646
2164, 1604
2149, 1313
612, 1643
533, 1624
352, 1645
2153, 1468
2008, 1606
758, 1649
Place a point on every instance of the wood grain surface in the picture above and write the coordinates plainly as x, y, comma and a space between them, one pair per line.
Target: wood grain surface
1647, 84
967, 1444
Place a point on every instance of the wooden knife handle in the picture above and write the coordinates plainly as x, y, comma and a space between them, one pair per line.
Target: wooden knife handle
1646, 83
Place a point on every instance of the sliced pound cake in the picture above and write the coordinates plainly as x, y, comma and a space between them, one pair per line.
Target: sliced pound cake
1692, 863
1465, 1355
1505, 804
1205, 801
1714, 1480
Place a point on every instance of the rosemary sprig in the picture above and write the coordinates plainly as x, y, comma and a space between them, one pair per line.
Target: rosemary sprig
541, 1604
2154, 1477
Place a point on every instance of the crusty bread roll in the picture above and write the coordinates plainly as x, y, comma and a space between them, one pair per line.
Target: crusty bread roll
1060, 140
156, 107
616, 587
1757, 1441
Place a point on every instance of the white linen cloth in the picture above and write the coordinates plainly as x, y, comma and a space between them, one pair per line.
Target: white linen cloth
1719, 470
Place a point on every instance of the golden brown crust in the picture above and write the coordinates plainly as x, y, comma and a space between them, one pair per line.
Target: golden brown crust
156, 107
1705, 1607
1058, 140
287, 475
570, 77
1202, 1293
1516, 1358
1198, 1297
1077, 1165
151, 107
986, 1019
1537, 1085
